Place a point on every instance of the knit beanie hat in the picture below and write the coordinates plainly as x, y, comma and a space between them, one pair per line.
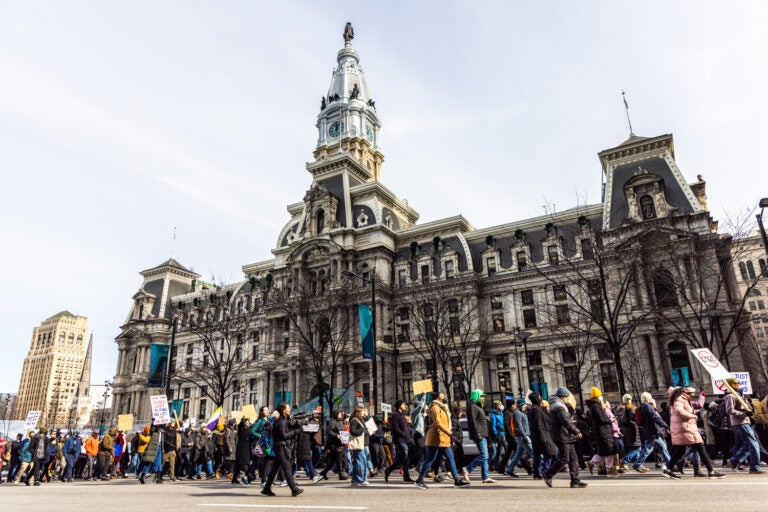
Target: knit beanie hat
146, 429
595, 392
476, 395
43, 430
562, 392
520, 402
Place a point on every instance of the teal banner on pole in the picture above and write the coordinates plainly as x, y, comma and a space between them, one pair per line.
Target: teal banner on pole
366, 331
158, 359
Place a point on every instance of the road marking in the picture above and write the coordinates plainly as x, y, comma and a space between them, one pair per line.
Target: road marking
668, 482
294, 507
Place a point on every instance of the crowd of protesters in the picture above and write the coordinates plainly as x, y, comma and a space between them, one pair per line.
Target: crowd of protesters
532, 436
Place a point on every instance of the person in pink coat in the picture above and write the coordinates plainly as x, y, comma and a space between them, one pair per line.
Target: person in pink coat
684, 430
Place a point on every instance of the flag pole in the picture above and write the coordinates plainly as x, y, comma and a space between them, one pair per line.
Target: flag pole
626, 108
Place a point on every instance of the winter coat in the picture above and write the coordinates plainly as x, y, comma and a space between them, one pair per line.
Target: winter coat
508, 418
92, 446
106, 447
143, 442
653, 425
629, 429
497, 423
356, 432
335, 427
25, 452
440, 428
522, 428
243, 448
150, 452
230, 443
72, 446
417, 415
601, 429
478, 423
304, 446
541, 439
399, 428
562, 427
683, 427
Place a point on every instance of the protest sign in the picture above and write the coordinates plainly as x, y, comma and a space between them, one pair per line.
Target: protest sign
161, 413
32, 418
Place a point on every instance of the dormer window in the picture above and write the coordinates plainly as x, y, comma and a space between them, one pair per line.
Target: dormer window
647, 208
554, 258
491, 265
320, 221
522, 260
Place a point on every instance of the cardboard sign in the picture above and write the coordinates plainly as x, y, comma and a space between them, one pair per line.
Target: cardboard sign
359, 398
237, 416
386, 407
710, 363
32, 418
745, 384
311, 427
249, 412
125, 422
161, 413
422, 386
371, 426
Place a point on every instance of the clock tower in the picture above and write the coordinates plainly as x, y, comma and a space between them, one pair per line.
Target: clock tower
347, 122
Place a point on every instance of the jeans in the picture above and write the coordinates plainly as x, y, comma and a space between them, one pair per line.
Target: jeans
481, 459
359, 471
309, 469
746, 436
208, 468
649, 445
433, 453
71, 459
523, 446
497, 450
401, 460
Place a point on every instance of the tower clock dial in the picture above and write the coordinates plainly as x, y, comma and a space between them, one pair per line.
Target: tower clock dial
335, 129
369, 133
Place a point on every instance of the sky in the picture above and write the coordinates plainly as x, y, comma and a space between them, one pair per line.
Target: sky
122, 120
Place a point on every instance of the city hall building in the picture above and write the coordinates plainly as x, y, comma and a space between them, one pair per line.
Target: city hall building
536, 303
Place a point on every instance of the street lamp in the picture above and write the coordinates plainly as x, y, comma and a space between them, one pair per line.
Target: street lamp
523, 336
515, 343
5, 414
763, 205
372, 282
107, 386
714, 323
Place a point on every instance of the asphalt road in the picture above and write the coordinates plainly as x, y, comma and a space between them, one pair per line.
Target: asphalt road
652, 492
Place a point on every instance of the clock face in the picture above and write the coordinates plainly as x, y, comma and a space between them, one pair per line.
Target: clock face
369, 133
335, 129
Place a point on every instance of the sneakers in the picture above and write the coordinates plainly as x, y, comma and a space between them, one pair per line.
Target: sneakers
365, 484
316, 479
465, 473
284, 483
439, 479
420, 484
512, 474
640, 469
297, 491
461, 483
577, 484
756, 471
669, 474
267, 492
714, 474
548, 481
489, 480
733, 466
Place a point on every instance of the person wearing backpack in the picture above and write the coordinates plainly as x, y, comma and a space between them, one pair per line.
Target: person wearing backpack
654, 429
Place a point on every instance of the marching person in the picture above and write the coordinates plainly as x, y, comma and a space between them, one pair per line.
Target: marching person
565, 435
438, 442
478, 432
524, 449
402, 440
742, 429
601, 430
283, 430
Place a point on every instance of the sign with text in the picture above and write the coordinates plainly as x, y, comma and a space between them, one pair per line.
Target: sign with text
32, 418
311, 427
249, 412
745, 384
711, 363
370, 425
386, 407
359, 398
161, 413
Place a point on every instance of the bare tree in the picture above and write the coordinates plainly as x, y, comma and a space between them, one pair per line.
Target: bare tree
575, 340
446, 333
218, 324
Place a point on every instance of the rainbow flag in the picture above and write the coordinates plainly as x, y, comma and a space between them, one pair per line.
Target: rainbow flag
214, 420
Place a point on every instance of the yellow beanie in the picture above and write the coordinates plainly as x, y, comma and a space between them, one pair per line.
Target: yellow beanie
596, 392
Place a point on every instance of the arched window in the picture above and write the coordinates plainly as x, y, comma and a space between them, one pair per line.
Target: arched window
80, 340
751, 269
62, 336
743, 270
679, 363
664, 289
647, 209
71, 338
320, 221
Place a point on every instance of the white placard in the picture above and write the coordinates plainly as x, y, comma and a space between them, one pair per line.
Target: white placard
32, 418
745, 384
386, 407
711, 363
344, 437
371, 426
310, 427
161, 413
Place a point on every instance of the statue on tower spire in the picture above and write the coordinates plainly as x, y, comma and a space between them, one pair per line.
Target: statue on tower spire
349, 33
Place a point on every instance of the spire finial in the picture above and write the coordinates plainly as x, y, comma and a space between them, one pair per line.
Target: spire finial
626, 108
349, 33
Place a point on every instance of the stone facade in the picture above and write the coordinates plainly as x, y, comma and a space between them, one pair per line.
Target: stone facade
639, 264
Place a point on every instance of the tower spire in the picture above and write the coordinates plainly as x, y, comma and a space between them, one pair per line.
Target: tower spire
84, 386
626, 108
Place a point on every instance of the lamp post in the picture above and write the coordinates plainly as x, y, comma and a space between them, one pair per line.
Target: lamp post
517, 365
174, 327
523, 336
107, 386
5, 414
717, 332
372, 282
763, 205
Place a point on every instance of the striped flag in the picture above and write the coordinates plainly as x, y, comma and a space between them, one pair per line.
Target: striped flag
214, 420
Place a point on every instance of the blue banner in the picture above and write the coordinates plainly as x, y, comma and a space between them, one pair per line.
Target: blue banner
366, 331
158, 360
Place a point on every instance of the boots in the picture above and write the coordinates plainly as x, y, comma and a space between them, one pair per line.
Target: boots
612, 472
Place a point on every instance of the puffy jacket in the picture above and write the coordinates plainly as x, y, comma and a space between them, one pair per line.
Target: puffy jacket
25, 452
683, 428
601, 428
439, 431
399, 428
92, 446
541, 439
562, 427
497, 423
143, 442
150, 452
477, 422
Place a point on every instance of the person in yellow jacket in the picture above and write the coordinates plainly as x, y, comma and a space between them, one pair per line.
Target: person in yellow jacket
438, 442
